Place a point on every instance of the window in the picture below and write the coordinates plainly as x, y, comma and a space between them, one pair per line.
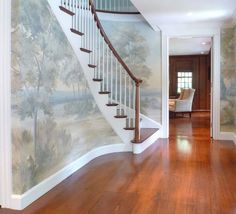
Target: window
184, 80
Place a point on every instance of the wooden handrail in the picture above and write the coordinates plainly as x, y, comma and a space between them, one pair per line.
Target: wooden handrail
99, 25
118, 12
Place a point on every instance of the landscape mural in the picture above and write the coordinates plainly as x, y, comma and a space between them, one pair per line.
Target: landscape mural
228, 83
140, 47
55, 119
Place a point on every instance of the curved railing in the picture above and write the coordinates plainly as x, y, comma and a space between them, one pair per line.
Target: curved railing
116, 79
115, 6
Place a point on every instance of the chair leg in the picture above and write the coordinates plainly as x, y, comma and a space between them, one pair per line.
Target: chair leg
190, 114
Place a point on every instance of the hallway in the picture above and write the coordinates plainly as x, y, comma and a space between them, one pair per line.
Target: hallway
185, 174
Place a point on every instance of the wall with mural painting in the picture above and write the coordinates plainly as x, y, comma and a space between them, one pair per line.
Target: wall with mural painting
55, 120
228, 77
140, 47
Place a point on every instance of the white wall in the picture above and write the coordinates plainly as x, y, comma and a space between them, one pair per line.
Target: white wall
5, 123
193, 31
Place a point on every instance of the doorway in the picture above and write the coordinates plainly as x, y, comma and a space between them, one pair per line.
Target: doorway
190, 68
215, 74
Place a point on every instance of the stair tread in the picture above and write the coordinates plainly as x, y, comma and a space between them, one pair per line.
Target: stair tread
112, 104
129, 128
120, 116
92, 66
85, 50
145, 133
66, 10
97, 79
76, 32
104, 92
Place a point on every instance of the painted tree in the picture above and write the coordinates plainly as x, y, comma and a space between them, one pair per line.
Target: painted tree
36, 58
132, 47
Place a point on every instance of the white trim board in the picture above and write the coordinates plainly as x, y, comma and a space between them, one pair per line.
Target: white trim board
120, 17
140, 147
19, 202
5, 107
234, 138
192, 31
228, 136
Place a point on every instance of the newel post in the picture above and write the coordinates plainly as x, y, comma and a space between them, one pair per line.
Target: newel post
137, 113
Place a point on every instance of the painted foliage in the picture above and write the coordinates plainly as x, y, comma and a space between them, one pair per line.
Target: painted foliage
228, 83
55, 120
140, 47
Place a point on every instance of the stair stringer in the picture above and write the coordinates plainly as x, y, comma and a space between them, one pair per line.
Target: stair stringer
118, 125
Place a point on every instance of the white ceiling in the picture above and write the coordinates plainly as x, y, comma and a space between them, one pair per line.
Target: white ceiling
160, 13
189, 46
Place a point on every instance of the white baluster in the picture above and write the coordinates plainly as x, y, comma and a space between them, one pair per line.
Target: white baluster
80, 16
120, 88
105, 3
100, 4
86, 26
75, 16
90, 36
111, 77
103, 64
129, 91
84, 18
134, 95
107, 68
94, 40
98, 52
70, 2
116, 98
125, 100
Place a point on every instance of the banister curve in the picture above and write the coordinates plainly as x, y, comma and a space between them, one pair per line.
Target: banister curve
99, 25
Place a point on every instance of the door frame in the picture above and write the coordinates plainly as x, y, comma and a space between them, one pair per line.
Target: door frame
192, 31
5, 105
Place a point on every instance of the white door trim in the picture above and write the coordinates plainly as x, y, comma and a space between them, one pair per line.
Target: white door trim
192, 31
5, 107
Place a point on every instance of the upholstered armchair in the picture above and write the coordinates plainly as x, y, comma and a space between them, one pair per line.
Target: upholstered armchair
184, 103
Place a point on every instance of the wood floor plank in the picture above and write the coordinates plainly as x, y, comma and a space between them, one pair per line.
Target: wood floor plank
186, 174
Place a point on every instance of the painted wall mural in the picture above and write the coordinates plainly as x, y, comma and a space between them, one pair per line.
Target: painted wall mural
140, 47
55, 119
228, 77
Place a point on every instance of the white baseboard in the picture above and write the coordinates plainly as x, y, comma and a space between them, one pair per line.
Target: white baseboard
234, 138
139, 148
19, 202
227, 136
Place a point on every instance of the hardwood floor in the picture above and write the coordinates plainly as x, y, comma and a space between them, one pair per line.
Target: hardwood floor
188, 173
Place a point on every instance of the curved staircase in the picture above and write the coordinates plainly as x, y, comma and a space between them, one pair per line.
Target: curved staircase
115, 88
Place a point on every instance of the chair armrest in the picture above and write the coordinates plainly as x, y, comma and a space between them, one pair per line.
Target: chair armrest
183, 105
